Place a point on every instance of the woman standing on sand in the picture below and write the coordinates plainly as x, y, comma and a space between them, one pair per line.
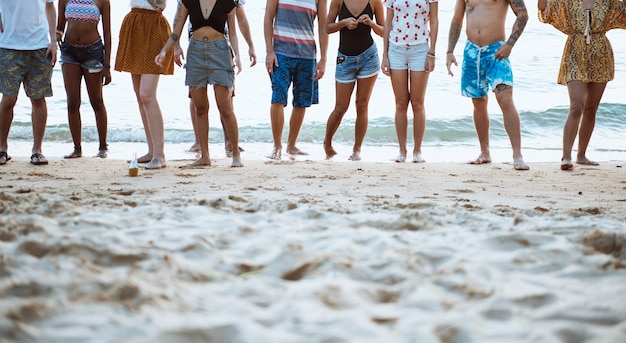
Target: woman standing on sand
85, 55
209, 61
357, 63
587, 64
143, 33
409, 57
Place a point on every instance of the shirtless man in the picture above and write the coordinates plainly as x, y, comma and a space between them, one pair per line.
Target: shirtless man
486, 64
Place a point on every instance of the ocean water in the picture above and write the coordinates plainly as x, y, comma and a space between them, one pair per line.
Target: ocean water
450, 135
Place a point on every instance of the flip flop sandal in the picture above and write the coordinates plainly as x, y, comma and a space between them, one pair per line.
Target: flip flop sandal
38, 159
7, 158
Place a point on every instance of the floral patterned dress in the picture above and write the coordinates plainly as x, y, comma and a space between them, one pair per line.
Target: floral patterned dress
587, 56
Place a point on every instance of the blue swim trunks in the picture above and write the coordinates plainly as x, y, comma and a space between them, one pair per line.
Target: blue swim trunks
481, 70
300, 72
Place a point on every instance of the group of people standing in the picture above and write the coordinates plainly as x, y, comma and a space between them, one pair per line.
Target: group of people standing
149, 47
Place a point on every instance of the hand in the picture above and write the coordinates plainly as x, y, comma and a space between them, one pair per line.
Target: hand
504, 51
365, 19
51, 53
159, 59
237, 63
270, 62
106, 76
450, 59
252, 55
384, 66
179, 55
320, 69
350, 23
429, 65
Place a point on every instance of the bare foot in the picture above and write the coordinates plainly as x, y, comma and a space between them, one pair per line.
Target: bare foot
356, 156
276, 154
401, 158
330, 152
194, 148
519, 164
417, 158
156, 164
201, 162
482, 159
566, 164
236, 162
75, 154
102, 153
585, 161
296, 151
144, 159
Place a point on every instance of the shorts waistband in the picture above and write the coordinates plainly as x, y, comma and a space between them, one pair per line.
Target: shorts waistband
485, 47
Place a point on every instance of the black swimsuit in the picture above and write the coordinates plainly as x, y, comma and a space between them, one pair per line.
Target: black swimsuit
354, 42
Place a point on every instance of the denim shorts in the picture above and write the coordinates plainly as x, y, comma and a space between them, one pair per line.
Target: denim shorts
31, 67
90, 57
300, 71
411, 57
351, 68
481, 69
209, 63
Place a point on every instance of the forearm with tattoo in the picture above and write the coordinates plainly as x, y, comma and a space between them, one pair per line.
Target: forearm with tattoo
453, 36
174, 37
519, 8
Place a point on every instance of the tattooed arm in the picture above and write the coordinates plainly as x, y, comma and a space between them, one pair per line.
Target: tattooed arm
519, 8
454, 34
179, 23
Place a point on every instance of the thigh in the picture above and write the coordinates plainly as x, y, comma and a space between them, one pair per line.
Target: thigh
304, 88
398, 57
346, 68
368, 63
37, 83
281, 79
473, 83
12, 71
417, 57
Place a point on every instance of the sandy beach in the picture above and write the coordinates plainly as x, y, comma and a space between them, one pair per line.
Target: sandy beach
311, 251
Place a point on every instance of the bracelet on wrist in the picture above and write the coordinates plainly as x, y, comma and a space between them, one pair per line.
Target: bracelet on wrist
430, 54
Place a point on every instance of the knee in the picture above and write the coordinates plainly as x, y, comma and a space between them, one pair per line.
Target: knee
8, 101
361, 105
73, 105
576, 109
402, 104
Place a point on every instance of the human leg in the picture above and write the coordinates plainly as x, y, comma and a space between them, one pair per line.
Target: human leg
481, 124
154, 119
512, 124
399, 83
39, 118
93, 81
343, 93
136, 78
277, 118
592, 101
364, 89
195, 147
201, 102
225, 105
577, 91
418, 82
7, 104
72, 78
295, 124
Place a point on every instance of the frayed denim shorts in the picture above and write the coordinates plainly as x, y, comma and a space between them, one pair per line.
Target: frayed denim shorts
351, 68
411, 57
90, 57
209, 63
